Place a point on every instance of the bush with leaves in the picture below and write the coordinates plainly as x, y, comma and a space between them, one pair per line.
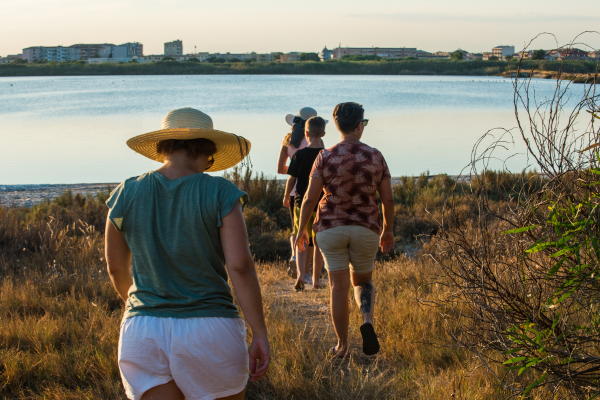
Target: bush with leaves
522, 280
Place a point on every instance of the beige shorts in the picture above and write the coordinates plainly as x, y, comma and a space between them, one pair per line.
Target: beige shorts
349, 246
206, 357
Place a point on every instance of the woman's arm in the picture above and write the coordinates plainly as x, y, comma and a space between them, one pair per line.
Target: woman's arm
289, 185
242, 273
118, 260
387, 201
311, 198
281, 168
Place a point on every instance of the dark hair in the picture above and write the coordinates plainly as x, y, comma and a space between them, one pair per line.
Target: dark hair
315, 126
347, 116
193, 147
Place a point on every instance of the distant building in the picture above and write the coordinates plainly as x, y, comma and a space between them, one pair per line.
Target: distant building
473, 56
593, 55
85, 51
294, 56
108, 60
503, 51
326, 54
149, 58
33, 53
174, 48
568, 54
244, 56
264, 57
55, 53
125, 50
425, 55
204, 56
524, 55
383, 52
5, 60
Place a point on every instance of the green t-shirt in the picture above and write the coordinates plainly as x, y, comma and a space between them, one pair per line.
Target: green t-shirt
172, 229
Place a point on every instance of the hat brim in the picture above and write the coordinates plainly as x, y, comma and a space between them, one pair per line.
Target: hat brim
231, 149
290, 119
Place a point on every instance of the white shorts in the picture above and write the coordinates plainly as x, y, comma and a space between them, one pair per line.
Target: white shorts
207, 357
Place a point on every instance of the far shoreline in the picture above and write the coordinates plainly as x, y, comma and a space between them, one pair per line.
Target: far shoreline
28, 195
402, 67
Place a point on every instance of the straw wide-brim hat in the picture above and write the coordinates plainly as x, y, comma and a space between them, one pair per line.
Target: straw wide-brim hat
189, 123
304, 113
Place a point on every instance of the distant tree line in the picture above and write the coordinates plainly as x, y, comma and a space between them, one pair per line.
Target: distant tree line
346, 66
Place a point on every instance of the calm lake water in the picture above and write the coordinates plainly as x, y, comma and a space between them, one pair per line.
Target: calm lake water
73, 129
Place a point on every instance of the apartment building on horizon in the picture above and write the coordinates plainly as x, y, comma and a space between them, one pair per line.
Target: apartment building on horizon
174, 48
82, 52
503, 51
383, 52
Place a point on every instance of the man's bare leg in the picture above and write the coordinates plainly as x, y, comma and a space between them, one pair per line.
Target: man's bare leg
364, 295
340, 283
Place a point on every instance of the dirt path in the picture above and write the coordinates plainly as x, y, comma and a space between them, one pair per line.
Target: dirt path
311, 308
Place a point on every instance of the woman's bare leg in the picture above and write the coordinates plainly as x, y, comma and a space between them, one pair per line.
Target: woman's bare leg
301, 257
168, 391
239, 396
309, 257
317, 264
292, 243
339, 282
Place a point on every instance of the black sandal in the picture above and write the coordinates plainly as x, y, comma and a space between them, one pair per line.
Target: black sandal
299, 286
370, 342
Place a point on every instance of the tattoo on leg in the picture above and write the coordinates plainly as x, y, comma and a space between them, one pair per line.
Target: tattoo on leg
366, 290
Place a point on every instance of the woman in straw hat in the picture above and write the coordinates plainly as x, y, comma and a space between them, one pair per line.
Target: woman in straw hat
292, 142
177, 228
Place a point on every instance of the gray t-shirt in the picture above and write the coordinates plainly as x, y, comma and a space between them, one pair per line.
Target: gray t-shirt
172, 229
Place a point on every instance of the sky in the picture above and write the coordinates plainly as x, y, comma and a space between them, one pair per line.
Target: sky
240, 26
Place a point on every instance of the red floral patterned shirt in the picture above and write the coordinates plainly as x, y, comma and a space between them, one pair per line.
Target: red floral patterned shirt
351, 173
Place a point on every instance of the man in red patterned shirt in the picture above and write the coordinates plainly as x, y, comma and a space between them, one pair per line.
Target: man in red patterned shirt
348, 222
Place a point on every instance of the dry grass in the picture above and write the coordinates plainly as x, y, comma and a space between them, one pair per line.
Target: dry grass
59, 330
60, 318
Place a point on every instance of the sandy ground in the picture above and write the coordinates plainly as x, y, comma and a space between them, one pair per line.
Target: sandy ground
28, 195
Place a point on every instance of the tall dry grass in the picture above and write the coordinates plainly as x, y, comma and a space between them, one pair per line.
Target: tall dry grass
60, 318
59, 327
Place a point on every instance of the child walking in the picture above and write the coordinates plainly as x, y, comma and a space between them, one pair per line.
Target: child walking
299, 172
293, 142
